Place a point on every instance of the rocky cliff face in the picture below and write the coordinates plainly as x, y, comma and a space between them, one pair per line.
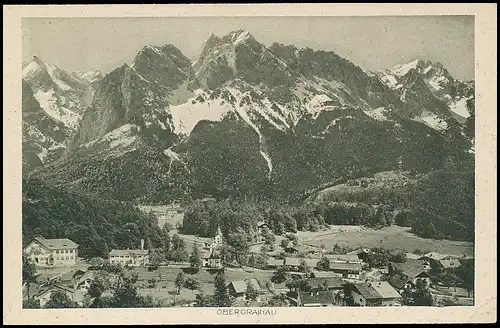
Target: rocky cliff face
246, 120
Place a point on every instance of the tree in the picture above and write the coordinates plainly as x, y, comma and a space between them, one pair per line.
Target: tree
238, 246
278, 301
97, 287
284, 243
31, 303
221, 295
422, 295
195, 260
466, 274
28, 272
299, 285
281, 275
177, 243
155, 259
97, 262
179, 281
126, 296
304, 267
60, 299
191, 283
324, 264
251, 293
203, 300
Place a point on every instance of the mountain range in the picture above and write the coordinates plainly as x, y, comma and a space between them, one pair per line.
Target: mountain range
243, 120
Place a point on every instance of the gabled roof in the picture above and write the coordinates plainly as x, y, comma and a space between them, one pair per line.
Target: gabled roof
367, 291
292, 261
331, 282
398, 281
128, 252
323, 274
434, 256
343, 257
354, 267
319, 297
240, 286
53, 244
385, 290
412, 268
450, 263
275, 262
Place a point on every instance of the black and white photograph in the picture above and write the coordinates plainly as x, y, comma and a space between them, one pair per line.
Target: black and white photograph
248, 163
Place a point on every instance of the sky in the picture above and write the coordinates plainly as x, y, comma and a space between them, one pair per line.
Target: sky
371, 42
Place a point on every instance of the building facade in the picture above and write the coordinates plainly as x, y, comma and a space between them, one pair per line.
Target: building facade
52, 252
129, 257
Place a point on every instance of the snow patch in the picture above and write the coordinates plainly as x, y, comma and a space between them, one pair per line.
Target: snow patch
48, 103
401, 70
186, 116
390, 81
432, 120
460, 107
377, 113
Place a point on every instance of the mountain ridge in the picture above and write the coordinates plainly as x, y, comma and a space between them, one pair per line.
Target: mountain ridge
279, 107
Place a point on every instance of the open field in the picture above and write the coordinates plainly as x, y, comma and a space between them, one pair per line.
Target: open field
165, 282
391, 238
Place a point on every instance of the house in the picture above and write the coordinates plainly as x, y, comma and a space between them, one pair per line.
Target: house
84, 282
293, 262
373, 294
215, 259
346, 270
238, 288
71, 277
414, 270
400, 282
444, 261
217, 241
327, 283
52, 252
449, 263
274, 262
130, 257
323, 274
45, 293
315, 299
261, 227
343, 258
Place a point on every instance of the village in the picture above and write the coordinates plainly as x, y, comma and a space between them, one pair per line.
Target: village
293, 273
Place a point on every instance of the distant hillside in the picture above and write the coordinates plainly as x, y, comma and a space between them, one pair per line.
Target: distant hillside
96, 225
439, 204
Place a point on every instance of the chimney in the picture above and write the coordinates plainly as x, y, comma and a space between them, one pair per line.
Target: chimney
142, 244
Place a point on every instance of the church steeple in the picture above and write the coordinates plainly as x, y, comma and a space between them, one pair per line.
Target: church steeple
219, 232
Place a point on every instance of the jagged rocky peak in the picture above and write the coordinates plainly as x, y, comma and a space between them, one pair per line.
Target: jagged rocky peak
222, 58
165, 65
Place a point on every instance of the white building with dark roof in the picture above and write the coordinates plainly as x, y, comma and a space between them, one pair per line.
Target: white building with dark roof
130, 257
52, 252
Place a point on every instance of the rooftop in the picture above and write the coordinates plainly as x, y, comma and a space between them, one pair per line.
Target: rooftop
320, 297
128, 252
367, 291
398, 281
412, 268
63, 243
240, 286
323, 274
345, 266
385, 290
331, 282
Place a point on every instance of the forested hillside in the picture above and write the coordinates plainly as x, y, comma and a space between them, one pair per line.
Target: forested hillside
95, 224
